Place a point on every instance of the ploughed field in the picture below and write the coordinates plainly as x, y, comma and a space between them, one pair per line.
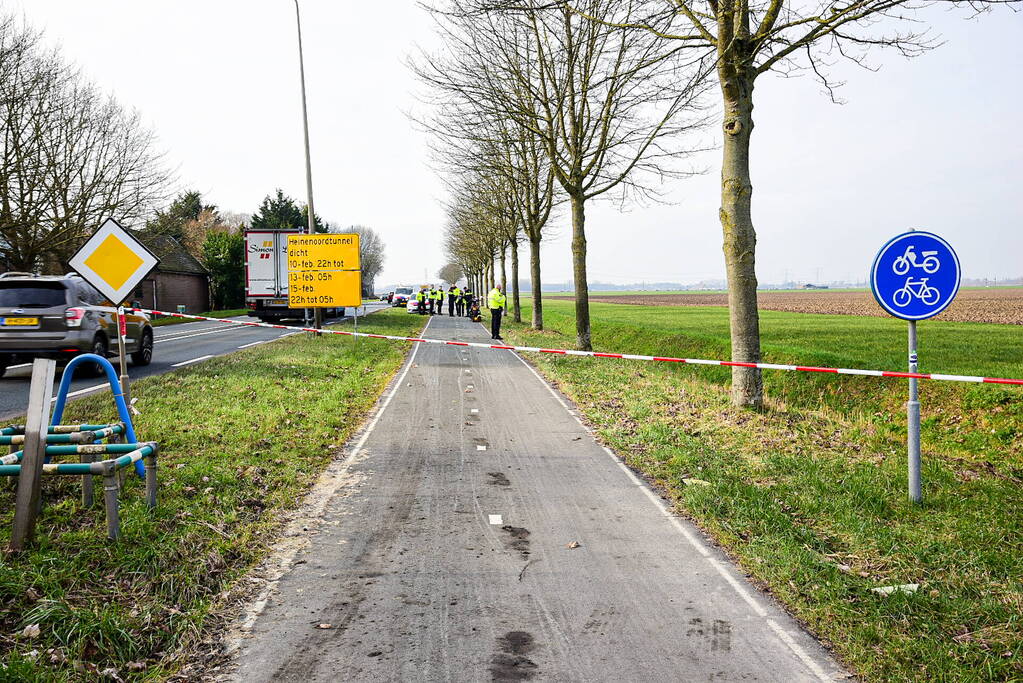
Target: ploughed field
995, 305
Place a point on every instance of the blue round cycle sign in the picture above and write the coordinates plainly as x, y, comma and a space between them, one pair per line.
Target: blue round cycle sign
915, 275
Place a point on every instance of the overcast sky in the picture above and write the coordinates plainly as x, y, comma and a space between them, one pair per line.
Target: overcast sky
931, 143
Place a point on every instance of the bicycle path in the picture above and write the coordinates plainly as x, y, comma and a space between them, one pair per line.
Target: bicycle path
486, 536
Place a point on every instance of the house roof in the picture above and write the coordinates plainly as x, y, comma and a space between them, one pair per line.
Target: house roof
174, 258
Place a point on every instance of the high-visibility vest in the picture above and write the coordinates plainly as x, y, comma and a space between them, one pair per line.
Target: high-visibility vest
435, 294
456, 292
421, 296
496, 299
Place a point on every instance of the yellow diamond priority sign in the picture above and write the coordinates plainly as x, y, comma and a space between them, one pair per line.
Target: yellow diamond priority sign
113, 262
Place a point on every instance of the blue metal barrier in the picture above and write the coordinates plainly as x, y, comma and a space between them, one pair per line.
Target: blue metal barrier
115, 388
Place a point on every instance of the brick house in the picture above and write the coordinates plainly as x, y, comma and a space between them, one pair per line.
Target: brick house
179, 279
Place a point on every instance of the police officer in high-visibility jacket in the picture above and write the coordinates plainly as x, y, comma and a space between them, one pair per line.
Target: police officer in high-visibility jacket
495, 302
421, 301
454, 294
466, 303
437, 297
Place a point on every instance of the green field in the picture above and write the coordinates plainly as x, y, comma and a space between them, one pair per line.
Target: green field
242, 437
809, 495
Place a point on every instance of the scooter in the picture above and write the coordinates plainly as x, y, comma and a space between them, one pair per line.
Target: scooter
930, 264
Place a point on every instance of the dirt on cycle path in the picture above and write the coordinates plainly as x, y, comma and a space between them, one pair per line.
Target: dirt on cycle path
482, 534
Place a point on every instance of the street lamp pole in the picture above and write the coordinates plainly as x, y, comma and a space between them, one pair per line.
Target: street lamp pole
311, 227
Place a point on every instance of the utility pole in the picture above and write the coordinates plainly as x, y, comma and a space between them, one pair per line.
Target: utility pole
311, 228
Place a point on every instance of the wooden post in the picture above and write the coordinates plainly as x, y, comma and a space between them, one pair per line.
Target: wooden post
26, 506
110, 490
151, 479
87, 483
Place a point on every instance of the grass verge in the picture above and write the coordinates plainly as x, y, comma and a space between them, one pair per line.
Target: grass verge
241, 438
809, 496
164, 321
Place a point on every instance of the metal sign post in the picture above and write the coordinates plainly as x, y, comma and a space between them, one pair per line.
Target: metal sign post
114, 262
915, 276
913, 421
122, 333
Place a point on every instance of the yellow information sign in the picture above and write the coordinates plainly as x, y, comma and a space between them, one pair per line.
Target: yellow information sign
323, 271
113, 261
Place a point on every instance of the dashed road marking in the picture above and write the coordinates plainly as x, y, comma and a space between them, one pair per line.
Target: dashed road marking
496, 520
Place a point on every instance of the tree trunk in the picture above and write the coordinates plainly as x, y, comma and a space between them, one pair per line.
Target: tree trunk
582, 290
740, 239
534, 279
504, 273
516, 304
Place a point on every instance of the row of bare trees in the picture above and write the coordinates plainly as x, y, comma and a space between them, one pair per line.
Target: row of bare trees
538, 107
562, 101
70, 156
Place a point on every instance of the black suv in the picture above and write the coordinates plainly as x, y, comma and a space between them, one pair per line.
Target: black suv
63, 316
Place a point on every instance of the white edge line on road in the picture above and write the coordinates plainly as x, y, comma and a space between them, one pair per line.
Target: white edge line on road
794, 646
692, 538
189, 362
189, 336
288, 558
255, 343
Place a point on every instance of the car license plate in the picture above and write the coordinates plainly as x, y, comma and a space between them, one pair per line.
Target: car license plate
278, 302
19, 321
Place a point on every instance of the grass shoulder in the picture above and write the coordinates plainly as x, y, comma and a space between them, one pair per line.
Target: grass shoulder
242, 437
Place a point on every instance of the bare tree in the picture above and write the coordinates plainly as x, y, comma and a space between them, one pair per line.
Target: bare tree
371, 255
747, 40
451, 273
602, 102
70, 155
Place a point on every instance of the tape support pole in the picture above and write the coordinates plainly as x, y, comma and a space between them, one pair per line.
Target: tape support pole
597, 354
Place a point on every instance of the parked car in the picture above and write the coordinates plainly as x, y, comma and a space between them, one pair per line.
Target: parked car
402, 295
43, 316
412, 306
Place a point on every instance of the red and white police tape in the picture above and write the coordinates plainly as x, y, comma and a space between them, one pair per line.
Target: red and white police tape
596, 354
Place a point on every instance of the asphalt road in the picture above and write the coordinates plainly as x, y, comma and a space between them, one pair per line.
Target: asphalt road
175, 346
484, 535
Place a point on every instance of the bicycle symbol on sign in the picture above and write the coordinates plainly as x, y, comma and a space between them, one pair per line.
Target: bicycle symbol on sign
918, 289
930, 264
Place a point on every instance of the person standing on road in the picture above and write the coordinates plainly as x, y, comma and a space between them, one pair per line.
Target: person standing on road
421, 301
466, 302
453, 295
433, 299
495, 302
429, 298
